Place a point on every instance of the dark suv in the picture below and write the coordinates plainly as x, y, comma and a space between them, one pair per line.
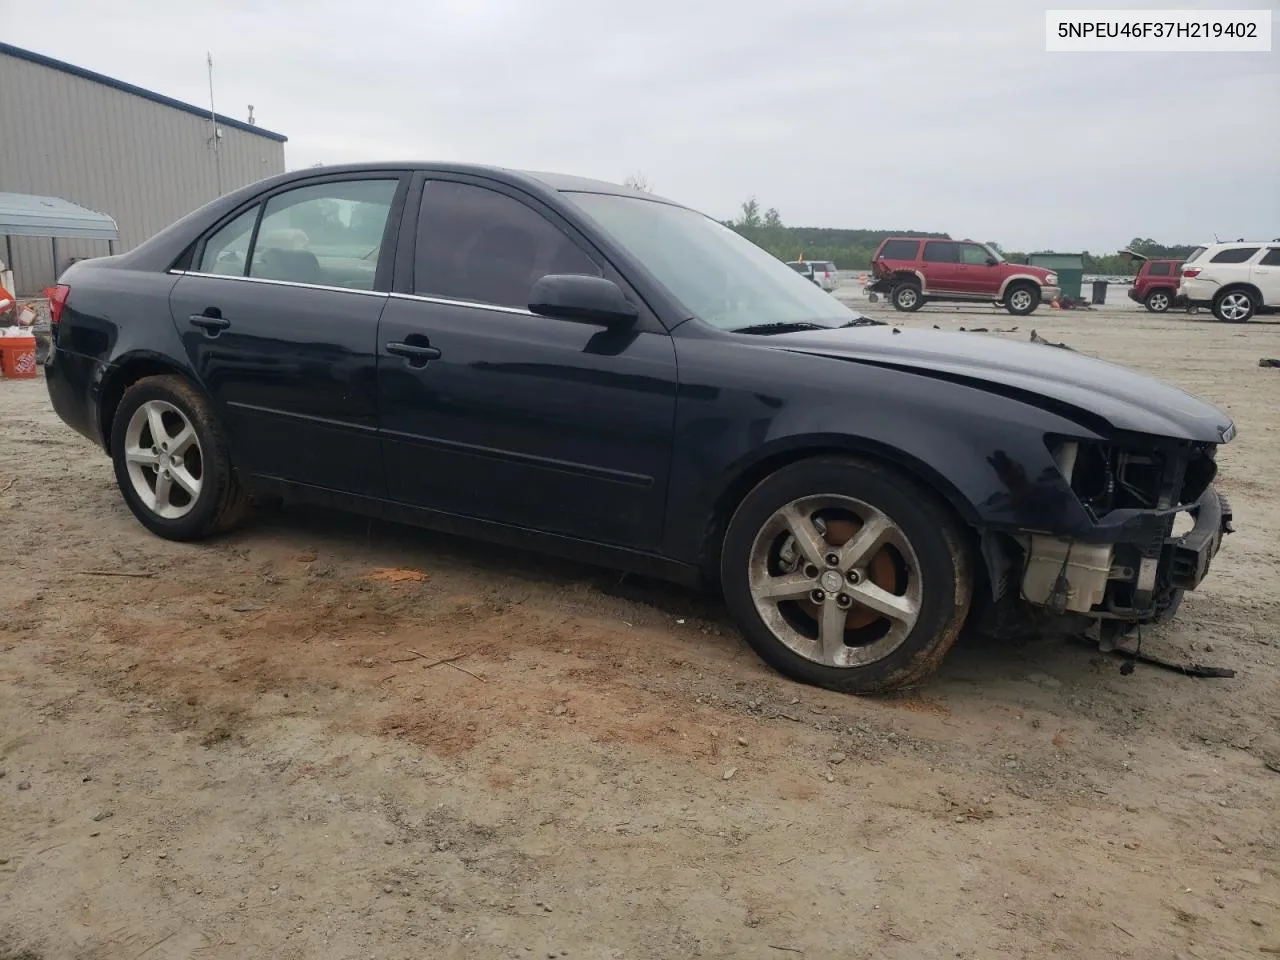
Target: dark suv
1156, 285
912, 271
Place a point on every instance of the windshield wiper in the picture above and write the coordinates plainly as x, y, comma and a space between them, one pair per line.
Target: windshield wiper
782, 327
861, 321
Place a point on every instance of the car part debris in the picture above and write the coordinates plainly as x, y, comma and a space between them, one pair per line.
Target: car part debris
1036, 338
1131, 656
1269, 362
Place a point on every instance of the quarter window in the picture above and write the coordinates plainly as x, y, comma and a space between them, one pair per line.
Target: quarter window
329, 234
482, 246
1234, 255
227, 251
1271, 259
940, 252
900, 250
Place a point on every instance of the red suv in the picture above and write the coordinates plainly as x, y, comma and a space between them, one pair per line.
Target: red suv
1156, 285
913, 271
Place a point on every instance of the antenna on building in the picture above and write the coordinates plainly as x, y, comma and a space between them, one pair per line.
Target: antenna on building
217, 134
251, 120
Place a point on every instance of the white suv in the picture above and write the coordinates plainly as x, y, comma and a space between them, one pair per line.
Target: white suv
1236, 279
821, 272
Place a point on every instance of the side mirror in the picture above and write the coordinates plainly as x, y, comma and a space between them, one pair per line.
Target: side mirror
992, 261
582, 299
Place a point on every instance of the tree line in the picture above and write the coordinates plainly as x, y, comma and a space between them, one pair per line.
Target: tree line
853, 249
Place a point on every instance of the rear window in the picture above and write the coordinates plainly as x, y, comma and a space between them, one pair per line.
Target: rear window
799, 267
1196, 253
900, 250
1234, 255
825, 266
1159, 270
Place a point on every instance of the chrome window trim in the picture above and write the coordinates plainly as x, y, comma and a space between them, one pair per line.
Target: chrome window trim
474, 305
279, 283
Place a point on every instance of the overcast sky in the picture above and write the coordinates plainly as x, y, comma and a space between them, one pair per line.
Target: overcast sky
920, 114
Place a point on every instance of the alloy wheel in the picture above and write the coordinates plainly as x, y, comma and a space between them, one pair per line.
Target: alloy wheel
1158, 302
1235, 306
835, 580
1020, 300
164, 459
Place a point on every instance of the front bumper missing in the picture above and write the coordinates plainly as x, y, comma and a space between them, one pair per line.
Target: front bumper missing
1126, 578
1189, 556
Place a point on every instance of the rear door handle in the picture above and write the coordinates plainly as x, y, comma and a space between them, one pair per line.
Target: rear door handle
417, 354
212, 321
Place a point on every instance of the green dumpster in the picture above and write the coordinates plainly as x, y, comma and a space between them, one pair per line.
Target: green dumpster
1068, 266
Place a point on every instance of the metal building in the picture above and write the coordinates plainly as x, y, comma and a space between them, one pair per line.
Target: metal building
140, 157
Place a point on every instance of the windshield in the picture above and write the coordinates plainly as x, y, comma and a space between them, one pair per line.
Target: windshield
717, 275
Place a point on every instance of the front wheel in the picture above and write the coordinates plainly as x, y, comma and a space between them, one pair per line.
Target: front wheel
171, 461
846, 575
1234, 306
1022, 299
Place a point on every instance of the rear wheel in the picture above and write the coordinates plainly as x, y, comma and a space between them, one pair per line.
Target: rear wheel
907, 298
1022, 299
172, 462
846, 575
1158, 301
1234, 306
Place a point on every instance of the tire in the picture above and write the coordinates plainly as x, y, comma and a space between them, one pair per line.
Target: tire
924, 564
1022, 299
192, 447
1159, 301
1235, 305
906, 297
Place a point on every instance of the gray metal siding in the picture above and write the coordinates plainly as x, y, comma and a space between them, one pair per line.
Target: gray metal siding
143, 163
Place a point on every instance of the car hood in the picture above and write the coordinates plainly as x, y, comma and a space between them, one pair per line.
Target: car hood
1045, 375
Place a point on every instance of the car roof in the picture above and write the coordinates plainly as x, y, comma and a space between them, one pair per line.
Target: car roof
559, 182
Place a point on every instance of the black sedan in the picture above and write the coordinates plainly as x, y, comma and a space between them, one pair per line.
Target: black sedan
580, 368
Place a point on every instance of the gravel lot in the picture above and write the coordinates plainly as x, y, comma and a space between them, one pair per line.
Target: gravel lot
254, 747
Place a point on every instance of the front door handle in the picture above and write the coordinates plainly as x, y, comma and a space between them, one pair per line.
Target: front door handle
417, 354
212, 321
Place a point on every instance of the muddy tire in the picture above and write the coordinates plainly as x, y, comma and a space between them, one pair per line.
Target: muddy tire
844, 574
1022, 299
907, 297
172, 461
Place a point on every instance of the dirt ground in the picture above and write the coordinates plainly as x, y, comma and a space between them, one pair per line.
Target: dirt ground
256, 746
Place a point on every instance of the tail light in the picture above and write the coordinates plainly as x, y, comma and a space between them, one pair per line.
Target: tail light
1191, 272
57, 300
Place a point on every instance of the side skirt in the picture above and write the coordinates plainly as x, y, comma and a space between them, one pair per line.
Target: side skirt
570, 548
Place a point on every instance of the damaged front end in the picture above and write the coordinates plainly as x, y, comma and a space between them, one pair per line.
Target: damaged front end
1156, 523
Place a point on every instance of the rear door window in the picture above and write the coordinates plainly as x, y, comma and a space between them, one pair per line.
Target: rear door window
1234, 255
1160, 270
481, 246
227, 251
900, 250
941, 251
328, 234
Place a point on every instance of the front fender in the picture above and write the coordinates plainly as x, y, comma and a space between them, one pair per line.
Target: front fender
1019, 278
983, 453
